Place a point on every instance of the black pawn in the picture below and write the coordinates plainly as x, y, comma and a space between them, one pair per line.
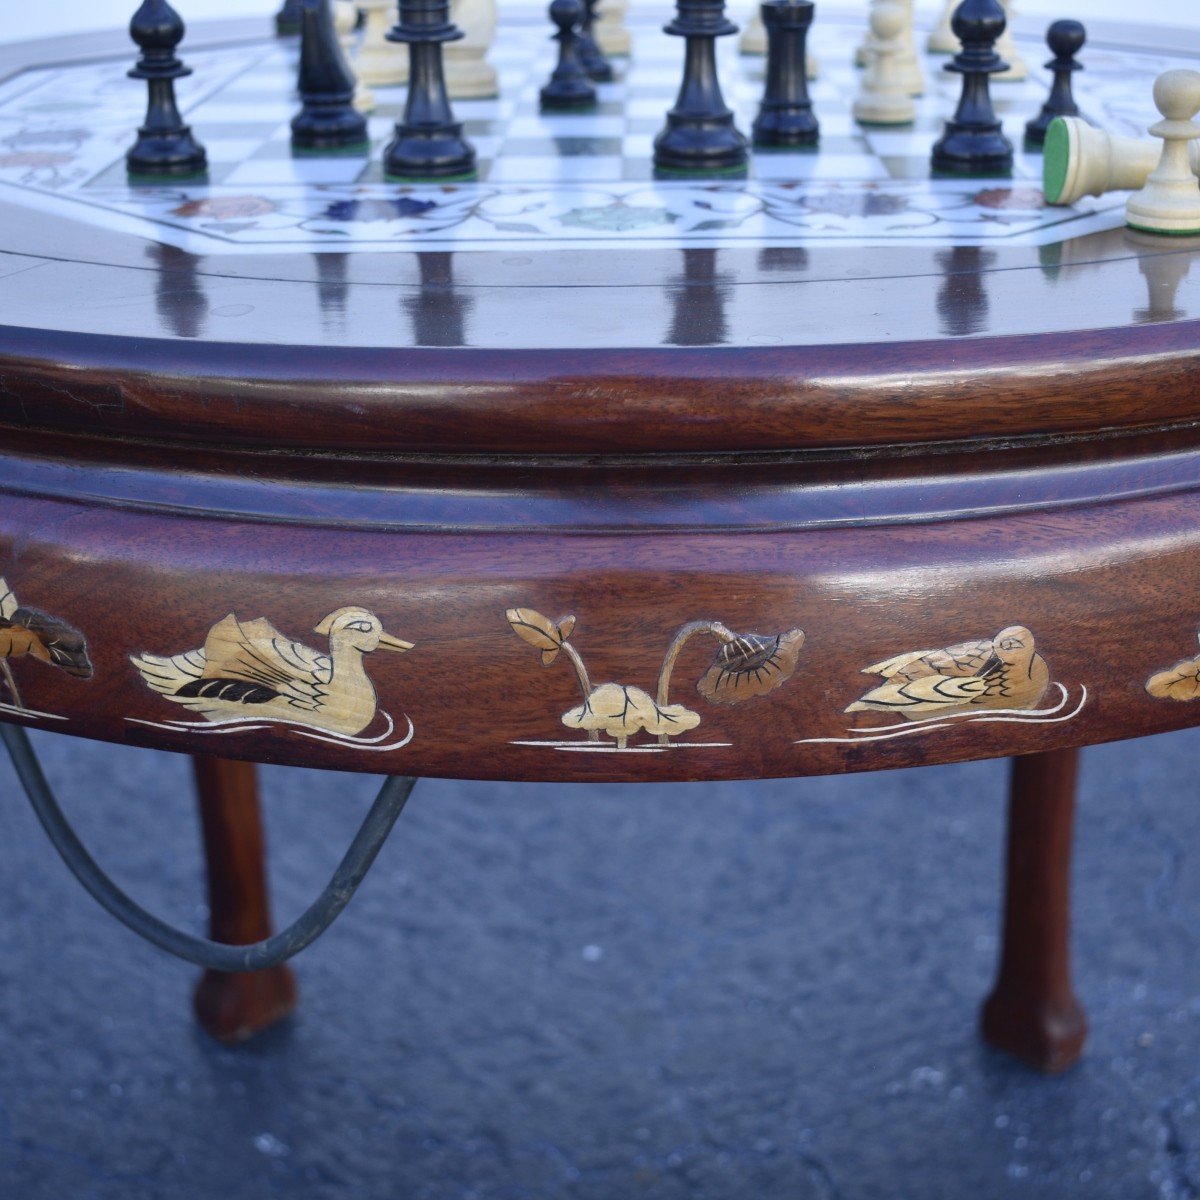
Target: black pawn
972, 143
1065, 39
785, 117
287, 19
428, 142
328, 120
569, 86
165, 145
699, 136
594, 63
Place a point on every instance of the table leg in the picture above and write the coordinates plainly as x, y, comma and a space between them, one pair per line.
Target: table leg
1032, 1012
234, 1007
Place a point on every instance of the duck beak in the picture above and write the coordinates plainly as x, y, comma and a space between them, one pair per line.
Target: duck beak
394, 643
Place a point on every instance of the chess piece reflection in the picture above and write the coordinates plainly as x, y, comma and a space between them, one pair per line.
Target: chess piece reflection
438, 312
333, 290
179, 296
1163, 274
698, 299
962, 302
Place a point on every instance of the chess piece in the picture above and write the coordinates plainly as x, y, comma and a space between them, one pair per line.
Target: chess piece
345, 21
972, 143
1065, 39
469, 76
905, 69
569, 85
699, 135
941, 39
164, 145
883, 98
1017, 69
785, 117
328, 119
380, 62
610, 32
287, 19
1079, 160
1170, 200
594, 63
754, 41
428, 141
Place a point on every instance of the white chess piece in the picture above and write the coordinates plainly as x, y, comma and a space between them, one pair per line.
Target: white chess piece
380, 62
942, 39
609, 30
1018, 68
1080, 160
907, 67
469, 76
1170, 200
345, 18
909, 63
884, 98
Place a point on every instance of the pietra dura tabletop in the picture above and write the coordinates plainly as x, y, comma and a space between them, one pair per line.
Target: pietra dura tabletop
625, 497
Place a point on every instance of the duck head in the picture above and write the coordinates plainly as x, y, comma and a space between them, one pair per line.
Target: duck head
1014, 644
360, 630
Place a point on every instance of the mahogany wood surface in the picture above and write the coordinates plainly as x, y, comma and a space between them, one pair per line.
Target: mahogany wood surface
234, 1007
892, 449
1032, 1011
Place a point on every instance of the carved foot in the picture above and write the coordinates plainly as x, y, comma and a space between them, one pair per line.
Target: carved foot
233, 1008
1048, 1037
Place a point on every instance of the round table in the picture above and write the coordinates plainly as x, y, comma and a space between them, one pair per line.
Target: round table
906, 472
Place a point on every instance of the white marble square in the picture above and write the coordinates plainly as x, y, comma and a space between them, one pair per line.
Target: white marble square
552, 170
298, 170
566, 125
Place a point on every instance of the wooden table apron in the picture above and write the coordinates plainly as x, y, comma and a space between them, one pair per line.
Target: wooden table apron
1092, 546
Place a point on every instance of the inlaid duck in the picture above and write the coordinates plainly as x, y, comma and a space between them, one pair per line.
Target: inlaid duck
249, 669
1000, 672
26, 631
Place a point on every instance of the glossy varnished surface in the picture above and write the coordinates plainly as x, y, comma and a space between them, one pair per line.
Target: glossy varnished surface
891, 448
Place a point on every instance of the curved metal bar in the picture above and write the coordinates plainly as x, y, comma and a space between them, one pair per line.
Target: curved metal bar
216, 955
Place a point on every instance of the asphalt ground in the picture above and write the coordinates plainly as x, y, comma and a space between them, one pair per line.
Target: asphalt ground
600, 993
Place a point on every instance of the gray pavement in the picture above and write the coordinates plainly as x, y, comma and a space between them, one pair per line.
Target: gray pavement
598, 993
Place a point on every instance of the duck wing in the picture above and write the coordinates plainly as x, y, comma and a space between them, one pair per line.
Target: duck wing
929, 693
256, 653
168, 675
965, 658
8, 602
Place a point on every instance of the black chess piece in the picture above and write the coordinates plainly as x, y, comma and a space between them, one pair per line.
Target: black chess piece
569, 86
428, 142
972, 143
165, 145
700, 137
595, 64
287, 19
785, 117
1065, 39
328, 120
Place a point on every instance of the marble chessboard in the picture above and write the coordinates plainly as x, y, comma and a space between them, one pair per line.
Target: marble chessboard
548, 180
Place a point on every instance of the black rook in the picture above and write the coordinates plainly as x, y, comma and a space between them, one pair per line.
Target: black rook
786, 116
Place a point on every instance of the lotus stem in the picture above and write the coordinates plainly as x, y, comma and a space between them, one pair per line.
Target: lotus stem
585, 684
664, 676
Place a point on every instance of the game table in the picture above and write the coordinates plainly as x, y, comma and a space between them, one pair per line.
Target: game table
570, 473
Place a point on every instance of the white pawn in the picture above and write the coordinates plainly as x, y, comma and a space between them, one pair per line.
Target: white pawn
1080, 160
943, 39
345, 18
469, 76
1018, 68
380, 62
609, 30
907, 67
1170, 201
884, 99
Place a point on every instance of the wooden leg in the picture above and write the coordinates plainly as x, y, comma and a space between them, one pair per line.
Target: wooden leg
234, 1007
1032, 1013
